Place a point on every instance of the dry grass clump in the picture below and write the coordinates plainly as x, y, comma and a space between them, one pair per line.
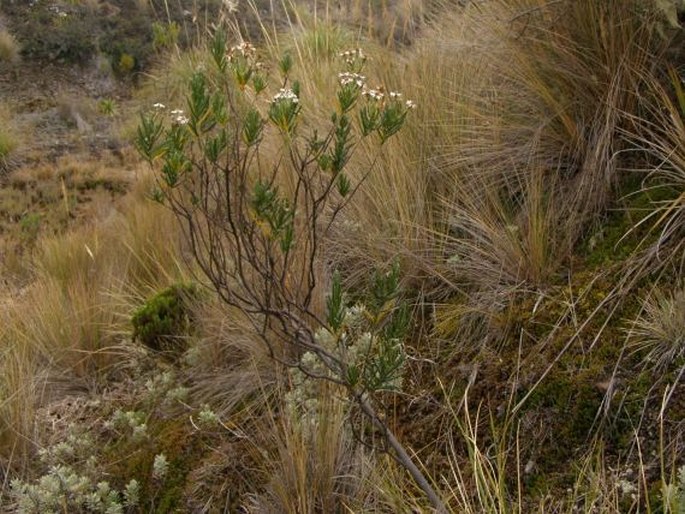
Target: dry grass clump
658, 134
388, 22
517, 145
9, 48
72, 318
525, 111
8, 137
659, 332
315, 463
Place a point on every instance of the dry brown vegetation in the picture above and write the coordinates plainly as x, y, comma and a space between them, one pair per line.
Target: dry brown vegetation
534, 202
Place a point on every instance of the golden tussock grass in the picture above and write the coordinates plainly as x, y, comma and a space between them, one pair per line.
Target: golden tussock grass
525, 111
9, 48
77, 308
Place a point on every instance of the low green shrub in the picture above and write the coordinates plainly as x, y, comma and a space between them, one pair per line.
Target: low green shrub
165, 319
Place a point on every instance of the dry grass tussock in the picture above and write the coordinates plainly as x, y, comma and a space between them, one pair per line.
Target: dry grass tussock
9, 48
519, 146
8, 138
66, 322
521, 117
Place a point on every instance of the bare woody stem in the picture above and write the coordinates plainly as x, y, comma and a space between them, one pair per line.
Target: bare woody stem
403, 456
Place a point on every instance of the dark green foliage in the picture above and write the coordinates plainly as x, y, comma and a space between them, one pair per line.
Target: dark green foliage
384, 371
335, 304
64, 36
341, 150
149, 132
218, 50
573, 402
252, 127
166, 318
384, 287
274, 210
74, 32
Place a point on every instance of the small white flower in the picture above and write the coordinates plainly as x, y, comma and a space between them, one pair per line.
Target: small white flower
285, 95
176, 112
410, 105
395, 95
374, 94
351, 78
352, 54
159, 106
139, 432
181, 120
245, 49
310, 360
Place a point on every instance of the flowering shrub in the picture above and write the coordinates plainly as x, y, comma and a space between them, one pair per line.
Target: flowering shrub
367, 337
258, 230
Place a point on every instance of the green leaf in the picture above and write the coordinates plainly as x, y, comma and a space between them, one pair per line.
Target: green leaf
353, 375
391, 121
347, 97
385, 287
344, 185
258, 83
285, 64
175, 165
398, 326
216, 146
384, 370
252, 127
147, 137
335, 304
199, 104
369, 117
218, 50
342, 145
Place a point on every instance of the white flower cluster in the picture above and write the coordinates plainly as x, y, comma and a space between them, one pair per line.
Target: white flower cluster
77, 446
355, 316
285, 95
160, 384
179, 117
360, 348
374, 94
325, 339
59, 12
352, 56
301, 402
244, 49
163, 387
379, 95
347, 78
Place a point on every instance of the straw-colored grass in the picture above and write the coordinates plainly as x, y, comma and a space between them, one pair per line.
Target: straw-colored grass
9, 48
533, 120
